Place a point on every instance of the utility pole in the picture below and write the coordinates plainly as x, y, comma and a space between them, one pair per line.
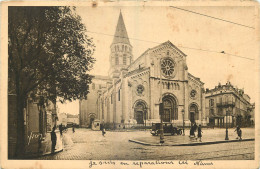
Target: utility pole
161, 105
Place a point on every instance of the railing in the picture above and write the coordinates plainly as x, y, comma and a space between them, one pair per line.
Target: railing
226, 104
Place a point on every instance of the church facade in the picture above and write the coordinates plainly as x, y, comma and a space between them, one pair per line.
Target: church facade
133, 90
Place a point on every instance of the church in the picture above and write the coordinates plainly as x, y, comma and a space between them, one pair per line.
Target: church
132, 92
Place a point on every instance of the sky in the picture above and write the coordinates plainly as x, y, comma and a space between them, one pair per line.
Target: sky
149, 26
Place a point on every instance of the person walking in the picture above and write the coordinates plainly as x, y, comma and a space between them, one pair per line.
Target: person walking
103, 130
73, 128
240, 134
60, 128
199, 132
53, 140
195, 127
237, 130
192, 133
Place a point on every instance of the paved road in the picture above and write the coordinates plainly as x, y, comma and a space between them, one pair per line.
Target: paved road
85, 144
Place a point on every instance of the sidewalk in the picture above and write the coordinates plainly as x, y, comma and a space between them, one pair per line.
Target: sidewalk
209, 136
46, 144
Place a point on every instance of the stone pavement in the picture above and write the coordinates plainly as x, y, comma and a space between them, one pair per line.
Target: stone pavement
46, 144
209, 136
86, 144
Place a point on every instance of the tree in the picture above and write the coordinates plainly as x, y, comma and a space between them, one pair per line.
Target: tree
50, 54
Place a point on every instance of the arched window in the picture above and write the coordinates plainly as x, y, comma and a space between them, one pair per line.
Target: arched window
117, 60
122, 47
124, 59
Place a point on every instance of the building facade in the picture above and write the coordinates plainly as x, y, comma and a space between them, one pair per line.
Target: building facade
227, 104
39, 118
131, 93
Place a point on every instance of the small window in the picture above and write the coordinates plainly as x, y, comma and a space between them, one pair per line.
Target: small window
93, 86
117, 60
111, 99
211, 102
212, 112
99, 86
119, 95
124, 59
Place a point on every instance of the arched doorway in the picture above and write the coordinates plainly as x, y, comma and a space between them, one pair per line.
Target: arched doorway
170, 109
140, 112
193, 113
91, 119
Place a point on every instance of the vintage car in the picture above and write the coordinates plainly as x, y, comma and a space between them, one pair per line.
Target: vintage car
167, 128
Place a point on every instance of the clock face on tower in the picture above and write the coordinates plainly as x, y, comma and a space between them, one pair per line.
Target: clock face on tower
168, 67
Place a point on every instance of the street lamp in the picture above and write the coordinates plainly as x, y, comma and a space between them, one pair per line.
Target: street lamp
226, 138
161, 125
161, 109
183, 133
145, 119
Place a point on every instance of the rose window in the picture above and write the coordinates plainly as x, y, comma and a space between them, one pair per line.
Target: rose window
140, 89
193, 94
167, 66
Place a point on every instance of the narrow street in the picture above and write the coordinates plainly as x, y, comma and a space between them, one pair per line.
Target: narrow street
86, 144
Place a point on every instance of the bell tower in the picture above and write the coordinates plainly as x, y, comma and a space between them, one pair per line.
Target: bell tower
121, 50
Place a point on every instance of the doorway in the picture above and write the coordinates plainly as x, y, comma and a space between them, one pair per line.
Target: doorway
140, 109
170, 111
193, 113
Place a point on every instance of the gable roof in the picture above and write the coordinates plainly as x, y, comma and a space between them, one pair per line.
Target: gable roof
154, 49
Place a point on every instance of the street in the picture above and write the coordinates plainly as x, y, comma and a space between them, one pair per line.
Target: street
86, 144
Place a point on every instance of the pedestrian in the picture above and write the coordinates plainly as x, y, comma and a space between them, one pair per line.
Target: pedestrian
192, 134
60, 128
237, 130
195, 127
199, 132
53, 140
240, 134
103, 131
73, 129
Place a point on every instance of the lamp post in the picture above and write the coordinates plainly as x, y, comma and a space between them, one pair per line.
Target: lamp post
145, 119
183, 133
161, 109
161, 125
226, 138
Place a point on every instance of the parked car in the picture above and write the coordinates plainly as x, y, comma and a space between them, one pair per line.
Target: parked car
167, 128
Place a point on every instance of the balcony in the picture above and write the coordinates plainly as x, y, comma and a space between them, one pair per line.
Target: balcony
226, 104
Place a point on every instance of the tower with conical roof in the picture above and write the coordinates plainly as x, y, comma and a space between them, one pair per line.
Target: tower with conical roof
121, 50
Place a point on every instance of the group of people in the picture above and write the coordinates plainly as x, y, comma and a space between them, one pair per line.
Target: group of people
193, 129
54, 136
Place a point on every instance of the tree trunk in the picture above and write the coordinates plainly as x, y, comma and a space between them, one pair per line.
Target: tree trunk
20, 105
20, 149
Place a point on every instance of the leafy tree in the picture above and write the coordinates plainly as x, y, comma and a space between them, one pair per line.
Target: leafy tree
50, 54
